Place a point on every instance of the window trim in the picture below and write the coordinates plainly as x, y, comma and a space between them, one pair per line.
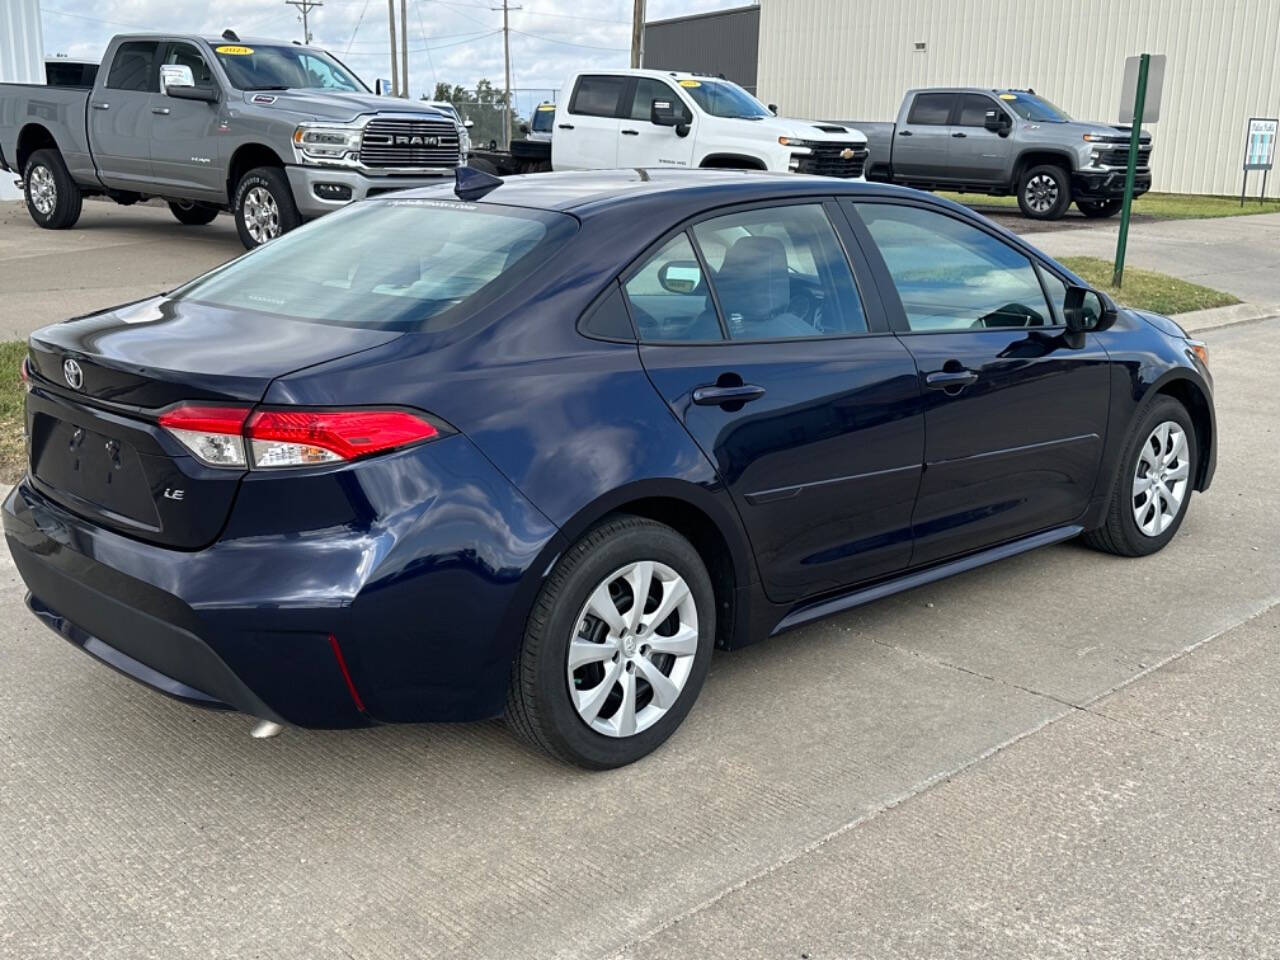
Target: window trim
156, 46
867, 285
951, 110
617, 108
894, 309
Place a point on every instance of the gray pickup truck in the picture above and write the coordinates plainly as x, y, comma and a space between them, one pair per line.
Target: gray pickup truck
273, 131
1005, 141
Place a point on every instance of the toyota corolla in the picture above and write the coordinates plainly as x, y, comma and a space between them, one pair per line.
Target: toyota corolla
533, 448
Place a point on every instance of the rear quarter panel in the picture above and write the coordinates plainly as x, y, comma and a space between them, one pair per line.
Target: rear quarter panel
60, 111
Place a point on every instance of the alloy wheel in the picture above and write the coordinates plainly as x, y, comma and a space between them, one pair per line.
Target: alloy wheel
632, 649
261, 215
42, 189
1041, 193
1161, 478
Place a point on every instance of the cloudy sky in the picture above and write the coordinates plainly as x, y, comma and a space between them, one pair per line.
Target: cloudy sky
455, 41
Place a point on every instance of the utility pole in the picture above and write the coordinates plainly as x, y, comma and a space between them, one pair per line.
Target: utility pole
506, 8
305, 6
391, 21
404, 50
637, 35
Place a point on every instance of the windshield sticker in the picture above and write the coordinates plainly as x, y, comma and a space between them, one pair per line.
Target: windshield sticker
1008, 96
234, 51
690, 83
547, 108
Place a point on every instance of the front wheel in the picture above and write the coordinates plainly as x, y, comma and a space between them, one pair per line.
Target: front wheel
617, 646
264, 206
193, 214
1100, 208
1152, 491
1044, 192
53, 198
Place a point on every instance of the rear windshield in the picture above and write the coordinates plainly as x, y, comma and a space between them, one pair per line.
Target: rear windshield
398, 264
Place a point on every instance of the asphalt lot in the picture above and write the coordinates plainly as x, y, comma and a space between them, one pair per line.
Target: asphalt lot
1066, 754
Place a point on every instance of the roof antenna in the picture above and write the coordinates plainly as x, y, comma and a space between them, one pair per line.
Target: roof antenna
472, 184
230, 35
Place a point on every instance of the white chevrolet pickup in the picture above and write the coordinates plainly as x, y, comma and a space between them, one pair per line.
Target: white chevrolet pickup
655, 118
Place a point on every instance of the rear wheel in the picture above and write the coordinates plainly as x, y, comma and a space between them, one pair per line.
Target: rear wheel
617, 646
1044, 192
1099, 208
264, 206
191, 213
53, 198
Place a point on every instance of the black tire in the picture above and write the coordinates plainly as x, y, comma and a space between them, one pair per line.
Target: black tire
276, 184
1119, 533
540, 707
193, 214
1044, 192
45, 170
1100, 208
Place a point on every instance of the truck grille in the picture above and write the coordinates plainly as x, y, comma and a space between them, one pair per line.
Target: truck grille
1119, 156
826, 160
400, 142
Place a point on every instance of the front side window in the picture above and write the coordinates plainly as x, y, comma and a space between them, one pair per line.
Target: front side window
973, 110
598, 96
647, 91
266, 67
780, 273
931, 109
186, 55
342, 270
134, 68
669, 296
951, 275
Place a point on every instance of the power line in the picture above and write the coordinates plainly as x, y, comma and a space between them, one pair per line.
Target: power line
359, 20
306, 6
568, 43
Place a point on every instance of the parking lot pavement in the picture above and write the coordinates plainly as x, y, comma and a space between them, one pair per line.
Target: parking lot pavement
113, 255
937, 765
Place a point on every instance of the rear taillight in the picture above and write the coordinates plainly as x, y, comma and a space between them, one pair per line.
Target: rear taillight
270, 439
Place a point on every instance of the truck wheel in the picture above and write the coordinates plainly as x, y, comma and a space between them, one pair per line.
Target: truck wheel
53, 198
264, 206
1044, 192
1100, 208
191, 213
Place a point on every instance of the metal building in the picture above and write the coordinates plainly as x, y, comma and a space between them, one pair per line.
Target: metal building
21, 56
721, 42
853, 59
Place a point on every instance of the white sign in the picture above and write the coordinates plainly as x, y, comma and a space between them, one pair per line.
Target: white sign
1155, 87
1260, 148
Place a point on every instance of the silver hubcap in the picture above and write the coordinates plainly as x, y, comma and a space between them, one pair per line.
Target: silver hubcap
1160, 479
42, 190
261, 215
1041, 193
632, 649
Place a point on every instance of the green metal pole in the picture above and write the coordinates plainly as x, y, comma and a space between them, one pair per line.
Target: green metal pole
1135, 138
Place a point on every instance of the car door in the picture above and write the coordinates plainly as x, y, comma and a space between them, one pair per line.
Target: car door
184, 139
120, 117
922, 145
586, 137
1015, 409
642, 143
779, 363
977, 154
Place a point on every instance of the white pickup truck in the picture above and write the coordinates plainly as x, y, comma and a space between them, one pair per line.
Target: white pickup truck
656, 118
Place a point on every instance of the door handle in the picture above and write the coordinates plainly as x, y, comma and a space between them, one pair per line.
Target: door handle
952, 381
565, 126
904, 133
631, 133
959, 134
101, 106
162, 111
713, 396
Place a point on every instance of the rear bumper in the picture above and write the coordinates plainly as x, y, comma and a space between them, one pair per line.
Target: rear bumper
305, 182
1107, 184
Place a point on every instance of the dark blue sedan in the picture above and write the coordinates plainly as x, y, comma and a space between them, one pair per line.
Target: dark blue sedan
534, 447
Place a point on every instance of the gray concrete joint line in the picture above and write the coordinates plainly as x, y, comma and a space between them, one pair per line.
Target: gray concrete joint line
929, 782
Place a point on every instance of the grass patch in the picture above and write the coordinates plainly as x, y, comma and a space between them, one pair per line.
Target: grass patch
13, 455
1146, 289
1157, 206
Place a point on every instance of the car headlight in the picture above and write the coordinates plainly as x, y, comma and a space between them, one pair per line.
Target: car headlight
793, 142
327, 143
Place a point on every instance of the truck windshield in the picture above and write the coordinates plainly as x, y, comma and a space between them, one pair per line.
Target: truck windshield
1036, 109
721, 98
260, 67
544, 118
346, 270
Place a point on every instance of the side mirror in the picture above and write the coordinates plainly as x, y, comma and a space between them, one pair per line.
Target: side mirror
680, 276
382, 87
997, 121
468, 124
207, 94
664, 113
773, 108
524, 128
175, 75
1086, 310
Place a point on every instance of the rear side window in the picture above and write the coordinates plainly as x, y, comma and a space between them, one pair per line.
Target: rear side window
973, 109
134, 68
597, 96
931, 109
952, 276
342, 269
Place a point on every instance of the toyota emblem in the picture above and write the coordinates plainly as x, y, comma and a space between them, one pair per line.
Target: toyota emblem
75, 376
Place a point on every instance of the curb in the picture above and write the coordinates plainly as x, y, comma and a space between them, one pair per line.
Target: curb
1215, 317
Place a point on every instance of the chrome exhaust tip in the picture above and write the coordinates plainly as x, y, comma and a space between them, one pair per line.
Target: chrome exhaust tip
265, 729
